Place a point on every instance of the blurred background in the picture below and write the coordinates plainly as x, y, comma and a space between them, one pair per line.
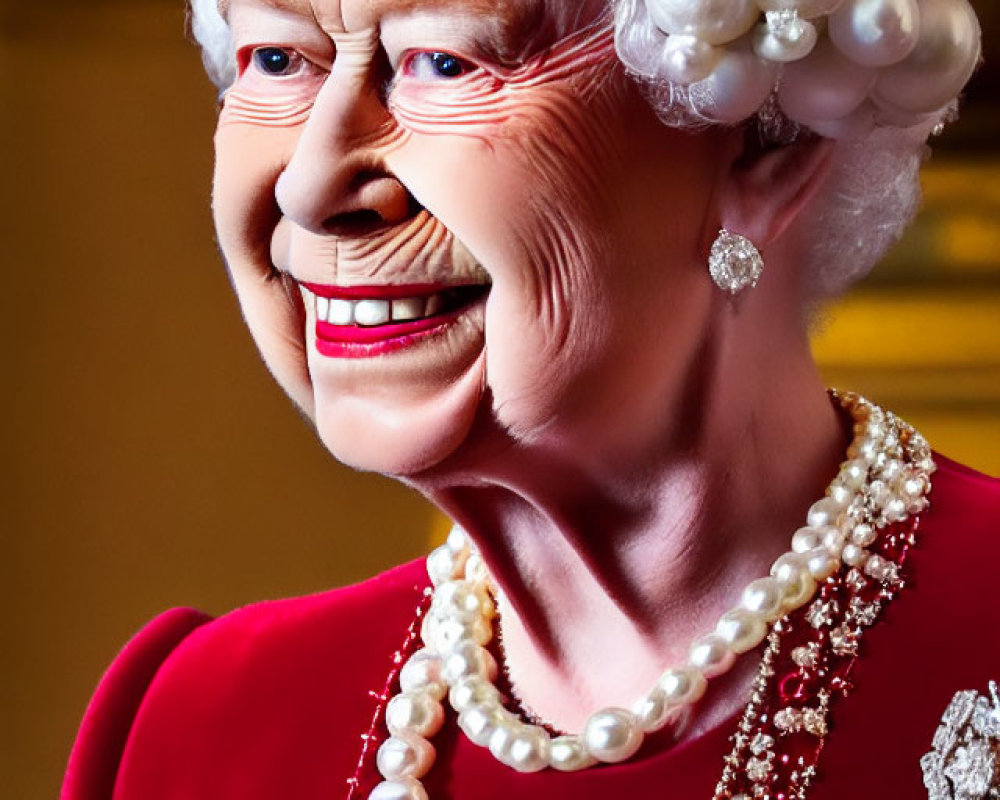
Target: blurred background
148, 459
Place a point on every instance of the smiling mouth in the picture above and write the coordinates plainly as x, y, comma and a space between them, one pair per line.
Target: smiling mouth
363, 321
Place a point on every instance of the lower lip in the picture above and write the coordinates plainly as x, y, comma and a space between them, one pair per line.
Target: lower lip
354, 341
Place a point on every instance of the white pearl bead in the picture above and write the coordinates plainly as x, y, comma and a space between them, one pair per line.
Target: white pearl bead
444, 565
568, 754
715, 21
414, 712
687, 59
458, 540
854, 473
741, 630
500, 738
822, 563
739, 85
528, 749
764, 598
841, 493
405, 756
399, 790
863, 535
711, 655
854, 556
875, 33
807, 538
651, 711
474, 690
479, 721
475, 569
824, 513
463, 601
796, 582
834, 540
422, 673
466, 659
792, 44
445, 634
612, 735
867, 449
682, 685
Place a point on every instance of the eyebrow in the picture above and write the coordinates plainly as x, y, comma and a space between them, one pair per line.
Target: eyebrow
515, 33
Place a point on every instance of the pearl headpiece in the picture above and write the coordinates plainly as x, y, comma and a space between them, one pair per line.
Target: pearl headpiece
839, 67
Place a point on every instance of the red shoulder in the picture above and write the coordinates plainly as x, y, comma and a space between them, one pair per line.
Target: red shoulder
271, 700
93, 763
966, 504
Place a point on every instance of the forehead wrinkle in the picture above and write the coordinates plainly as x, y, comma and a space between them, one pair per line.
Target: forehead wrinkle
301, 7
512, 30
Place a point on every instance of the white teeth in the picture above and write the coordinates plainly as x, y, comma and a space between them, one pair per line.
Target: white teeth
371, 312
408, 308
341, 312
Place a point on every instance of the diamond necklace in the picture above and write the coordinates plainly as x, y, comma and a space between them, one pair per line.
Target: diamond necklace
885, 480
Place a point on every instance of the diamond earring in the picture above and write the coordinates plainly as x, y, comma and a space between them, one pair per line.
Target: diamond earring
734, 262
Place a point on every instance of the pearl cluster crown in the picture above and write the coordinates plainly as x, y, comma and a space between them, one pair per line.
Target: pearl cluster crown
838, 67
885, 479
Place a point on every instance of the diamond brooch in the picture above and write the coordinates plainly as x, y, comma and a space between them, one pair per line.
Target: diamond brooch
964, 763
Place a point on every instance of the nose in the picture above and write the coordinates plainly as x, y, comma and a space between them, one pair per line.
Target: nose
336, 181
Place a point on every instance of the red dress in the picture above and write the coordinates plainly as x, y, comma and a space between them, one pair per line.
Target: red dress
275, 700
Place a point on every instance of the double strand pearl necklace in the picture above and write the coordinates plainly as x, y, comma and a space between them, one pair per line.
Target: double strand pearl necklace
885, 479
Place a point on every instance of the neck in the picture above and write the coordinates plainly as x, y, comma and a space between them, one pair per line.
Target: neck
609, 566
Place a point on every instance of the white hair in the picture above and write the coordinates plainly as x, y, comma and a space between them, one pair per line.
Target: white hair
212, 33
871, 196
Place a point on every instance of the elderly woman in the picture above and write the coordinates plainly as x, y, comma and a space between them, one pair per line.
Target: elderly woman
552, 264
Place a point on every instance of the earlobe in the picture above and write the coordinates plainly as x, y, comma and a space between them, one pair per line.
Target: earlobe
767, 188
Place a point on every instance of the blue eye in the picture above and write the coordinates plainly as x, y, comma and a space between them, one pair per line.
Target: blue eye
430, 65
273, 60
447, 65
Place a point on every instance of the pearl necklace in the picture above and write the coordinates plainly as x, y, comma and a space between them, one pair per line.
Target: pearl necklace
885, 478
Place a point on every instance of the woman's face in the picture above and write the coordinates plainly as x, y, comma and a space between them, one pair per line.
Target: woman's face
494, 225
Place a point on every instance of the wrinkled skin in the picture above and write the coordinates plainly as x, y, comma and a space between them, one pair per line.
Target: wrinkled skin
541, 187
627, 446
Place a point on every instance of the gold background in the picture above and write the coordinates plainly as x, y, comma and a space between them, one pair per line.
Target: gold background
149, 461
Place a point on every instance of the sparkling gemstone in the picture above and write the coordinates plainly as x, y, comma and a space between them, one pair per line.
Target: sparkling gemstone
855, 580
734, 262
986, 720
821, 613
945, 738
972, 769
960, 708
814, 721
761, 744
758, 769
807, 656
844, 641
863, 613
788, 719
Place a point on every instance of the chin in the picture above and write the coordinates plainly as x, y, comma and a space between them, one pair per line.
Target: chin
402, 435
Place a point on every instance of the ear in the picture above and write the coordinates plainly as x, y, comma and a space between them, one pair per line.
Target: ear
766, 188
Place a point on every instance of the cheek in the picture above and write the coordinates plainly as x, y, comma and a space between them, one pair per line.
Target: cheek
529, 199
248, 162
